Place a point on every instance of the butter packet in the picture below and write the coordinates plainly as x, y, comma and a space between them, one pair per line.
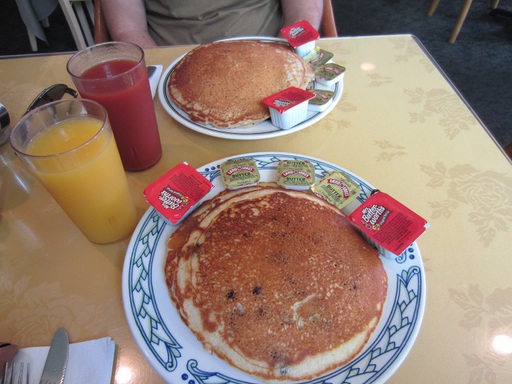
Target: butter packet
175, 194
318, 58
321, 101
338, 189
295, 174
388, 224
240, 172
329, 74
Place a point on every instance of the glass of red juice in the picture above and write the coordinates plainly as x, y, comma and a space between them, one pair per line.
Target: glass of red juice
114, 74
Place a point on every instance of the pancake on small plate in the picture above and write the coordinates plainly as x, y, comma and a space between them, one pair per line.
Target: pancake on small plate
223, 83
276, 282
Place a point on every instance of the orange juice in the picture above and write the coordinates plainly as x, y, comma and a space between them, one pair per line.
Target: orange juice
85, 176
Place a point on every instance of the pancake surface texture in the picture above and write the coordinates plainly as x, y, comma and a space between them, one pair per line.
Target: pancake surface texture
223, 83
276, 282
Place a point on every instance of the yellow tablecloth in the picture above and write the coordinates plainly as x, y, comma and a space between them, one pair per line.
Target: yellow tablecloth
400, 125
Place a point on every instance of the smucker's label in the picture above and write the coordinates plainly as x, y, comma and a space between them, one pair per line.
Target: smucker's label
300, 33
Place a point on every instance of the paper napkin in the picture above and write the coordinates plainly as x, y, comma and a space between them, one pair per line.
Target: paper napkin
88, 362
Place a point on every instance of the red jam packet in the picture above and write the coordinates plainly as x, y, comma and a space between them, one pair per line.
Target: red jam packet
388, 223
287, 99
177, 192
300, 33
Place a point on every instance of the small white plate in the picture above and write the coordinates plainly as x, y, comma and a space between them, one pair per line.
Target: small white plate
176, 354
263, 130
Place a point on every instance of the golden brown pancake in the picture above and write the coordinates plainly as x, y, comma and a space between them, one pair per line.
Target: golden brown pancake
223, 83
276, 282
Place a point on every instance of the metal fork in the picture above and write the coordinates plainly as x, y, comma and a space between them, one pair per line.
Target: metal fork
16, 373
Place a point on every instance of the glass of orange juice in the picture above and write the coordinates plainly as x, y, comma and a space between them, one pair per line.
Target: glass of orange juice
69, 146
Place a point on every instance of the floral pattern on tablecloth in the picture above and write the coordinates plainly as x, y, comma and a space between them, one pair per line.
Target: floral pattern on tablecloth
493, 313
487, 193
440, 106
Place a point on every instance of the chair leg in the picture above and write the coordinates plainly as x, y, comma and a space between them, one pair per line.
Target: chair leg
67, 8
433, 7
460, 20
33, 40
84, 23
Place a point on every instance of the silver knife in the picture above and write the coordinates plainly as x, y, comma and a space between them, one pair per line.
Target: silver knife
57, 360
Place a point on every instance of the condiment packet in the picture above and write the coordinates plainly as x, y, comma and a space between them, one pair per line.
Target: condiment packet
239, 172
178, 192
301, 36
322, 100
388, 224
338, 189
288, 107
295, 174
329, 74
318, 58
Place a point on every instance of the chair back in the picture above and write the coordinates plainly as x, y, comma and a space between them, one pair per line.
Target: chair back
100, 26
328, 23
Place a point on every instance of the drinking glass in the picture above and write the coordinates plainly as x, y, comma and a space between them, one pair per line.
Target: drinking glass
69, 146
114, 74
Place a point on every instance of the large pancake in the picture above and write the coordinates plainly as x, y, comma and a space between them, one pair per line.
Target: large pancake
223, 83
276, 282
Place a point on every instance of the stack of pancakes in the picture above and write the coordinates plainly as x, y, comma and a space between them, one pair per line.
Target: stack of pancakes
223, 83
276, 282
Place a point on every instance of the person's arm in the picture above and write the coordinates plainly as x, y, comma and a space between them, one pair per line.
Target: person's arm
126, 21
296, 10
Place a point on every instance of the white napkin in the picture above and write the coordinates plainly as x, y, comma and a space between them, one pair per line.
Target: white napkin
88, 362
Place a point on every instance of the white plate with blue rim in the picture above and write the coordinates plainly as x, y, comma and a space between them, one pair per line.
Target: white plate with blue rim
176, 354
263, 130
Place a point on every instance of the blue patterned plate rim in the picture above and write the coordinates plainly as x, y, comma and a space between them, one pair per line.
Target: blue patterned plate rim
176, 354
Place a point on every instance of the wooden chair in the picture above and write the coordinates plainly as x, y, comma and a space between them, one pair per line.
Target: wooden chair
462, 16
328, 23
327, 26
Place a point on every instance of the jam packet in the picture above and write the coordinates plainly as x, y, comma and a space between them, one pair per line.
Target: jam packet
295, 174
388, 224
301, 36
240, 172
338, 189
288, 107
178, 192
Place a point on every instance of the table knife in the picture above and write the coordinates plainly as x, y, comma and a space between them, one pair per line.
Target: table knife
57, 360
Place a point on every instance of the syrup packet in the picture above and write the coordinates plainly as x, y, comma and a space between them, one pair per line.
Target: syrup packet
175, 194
388, 224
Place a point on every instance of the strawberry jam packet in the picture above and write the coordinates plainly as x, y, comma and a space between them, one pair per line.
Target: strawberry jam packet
302, 36
288, 107
178, 192
388, 224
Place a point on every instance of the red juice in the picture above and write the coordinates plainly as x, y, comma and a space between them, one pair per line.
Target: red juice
122, 87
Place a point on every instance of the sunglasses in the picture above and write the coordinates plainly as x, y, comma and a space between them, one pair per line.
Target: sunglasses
53, 93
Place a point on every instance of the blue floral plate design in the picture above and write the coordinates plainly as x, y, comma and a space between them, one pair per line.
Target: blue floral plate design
176, 354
